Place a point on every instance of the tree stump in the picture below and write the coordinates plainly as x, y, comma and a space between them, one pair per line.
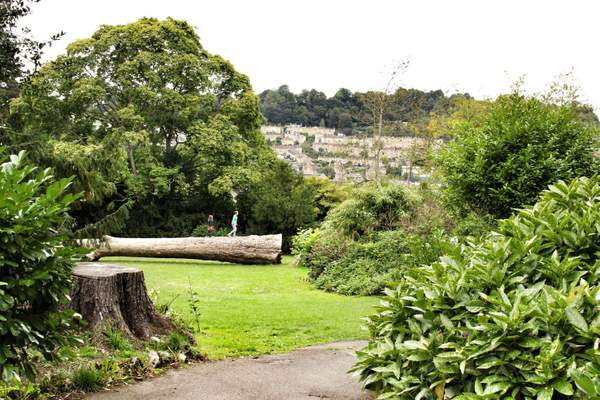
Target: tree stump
255, 249
116, 295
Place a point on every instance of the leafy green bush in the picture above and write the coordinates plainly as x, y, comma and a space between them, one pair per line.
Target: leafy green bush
514, 316
474, 225
326, 249
368, 266
303, 242
35, 266
371, 209
504, 158
365, 243
328, 194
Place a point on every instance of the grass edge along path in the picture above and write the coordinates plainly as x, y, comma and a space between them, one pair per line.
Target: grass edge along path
253, 310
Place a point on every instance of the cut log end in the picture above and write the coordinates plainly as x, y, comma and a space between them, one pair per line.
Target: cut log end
116, 295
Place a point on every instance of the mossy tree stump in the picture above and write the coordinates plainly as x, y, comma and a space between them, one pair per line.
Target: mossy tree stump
115, 295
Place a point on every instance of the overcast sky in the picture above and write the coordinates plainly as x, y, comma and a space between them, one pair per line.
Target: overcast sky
480, 47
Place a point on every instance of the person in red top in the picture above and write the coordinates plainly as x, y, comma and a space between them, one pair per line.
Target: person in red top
211, 226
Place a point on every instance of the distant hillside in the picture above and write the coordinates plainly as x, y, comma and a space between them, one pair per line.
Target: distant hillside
346, 111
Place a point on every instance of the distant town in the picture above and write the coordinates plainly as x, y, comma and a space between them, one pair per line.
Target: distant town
317, 151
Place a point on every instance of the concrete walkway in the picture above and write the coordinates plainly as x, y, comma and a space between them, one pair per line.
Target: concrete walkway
317, 372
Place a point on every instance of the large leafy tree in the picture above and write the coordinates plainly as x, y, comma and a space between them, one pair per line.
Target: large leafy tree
142, 111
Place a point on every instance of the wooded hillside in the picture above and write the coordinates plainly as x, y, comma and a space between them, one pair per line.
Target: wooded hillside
347, 112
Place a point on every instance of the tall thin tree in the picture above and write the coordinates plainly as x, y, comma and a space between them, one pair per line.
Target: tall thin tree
378, 103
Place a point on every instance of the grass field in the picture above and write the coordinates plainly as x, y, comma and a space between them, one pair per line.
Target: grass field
252, 310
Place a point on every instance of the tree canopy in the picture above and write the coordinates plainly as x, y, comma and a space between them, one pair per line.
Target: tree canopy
142, 111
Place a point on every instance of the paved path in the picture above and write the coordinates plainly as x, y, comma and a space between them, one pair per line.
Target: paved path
317, 372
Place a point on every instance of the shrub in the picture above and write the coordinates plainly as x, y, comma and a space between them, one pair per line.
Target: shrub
328, 194
371, 209
513, 317
368, 266
365, 243
117, 340
202, 230
303, 242
520, 145
20, 391
88, 378
35, 266
474, 225
326, 249
177, 342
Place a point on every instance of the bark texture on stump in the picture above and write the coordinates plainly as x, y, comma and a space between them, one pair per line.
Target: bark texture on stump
242, 249
114, 294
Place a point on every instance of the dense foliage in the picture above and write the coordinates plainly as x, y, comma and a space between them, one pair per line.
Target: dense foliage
19, 55
505, 154
374, 263
347, 111
18, 51
35, 266
143, 113
513, 316
280, 202
283, 201
366, 242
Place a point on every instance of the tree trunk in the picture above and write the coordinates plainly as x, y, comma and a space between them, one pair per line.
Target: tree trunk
243, 250
131, 159
378, 144
116, 295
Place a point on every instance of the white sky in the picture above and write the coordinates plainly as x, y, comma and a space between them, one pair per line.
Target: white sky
480, 47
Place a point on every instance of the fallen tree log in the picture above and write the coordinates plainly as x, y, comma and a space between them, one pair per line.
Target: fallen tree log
116, 295
241, 249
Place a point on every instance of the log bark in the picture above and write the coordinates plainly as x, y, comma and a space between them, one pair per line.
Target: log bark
116, 295
242, 249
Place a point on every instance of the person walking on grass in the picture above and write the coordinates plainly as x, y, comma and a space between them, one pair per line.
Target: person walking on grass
233, 224
211, 226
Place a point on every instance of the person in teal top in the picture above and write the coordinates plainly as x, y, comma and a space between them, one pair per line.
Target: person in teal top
233, 224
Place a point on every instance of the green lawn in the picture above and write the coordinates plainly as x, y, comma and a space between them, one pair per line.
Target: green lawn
251, 310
